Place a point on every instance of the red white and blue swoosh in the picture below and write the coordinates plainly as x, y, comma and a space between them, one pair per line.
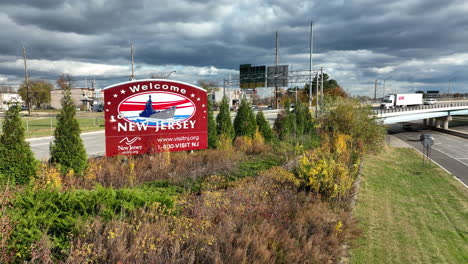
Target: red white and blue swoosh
132, 106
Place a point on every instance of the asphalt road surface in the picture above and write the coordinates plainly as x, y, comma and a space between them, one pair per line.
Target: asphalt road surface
450, 152
93, 141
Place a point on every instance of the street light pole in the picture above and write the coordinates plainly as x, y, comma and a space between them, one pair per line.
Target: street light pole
169, 74
450, 86
375, 91
384, 85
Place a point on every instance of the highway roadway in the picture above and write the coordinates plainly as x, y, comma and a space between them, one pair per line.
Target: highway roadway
450, 152
93, 141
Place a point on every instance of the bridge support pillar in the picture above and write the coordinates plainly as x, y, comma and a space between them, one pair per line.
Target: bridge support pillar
425, 121
447, 119
431, 122
443, 122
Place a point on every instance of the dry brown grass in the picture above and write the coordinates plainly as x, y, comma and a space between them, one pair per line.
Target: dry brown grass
6, 226
175, 167
257, 220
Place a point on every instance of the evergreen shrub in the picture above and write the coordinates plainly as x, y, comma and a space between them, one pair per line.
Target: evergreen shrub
55, 213
223, 120
67, 150
17, 161
264, 127
212, 134
245, 123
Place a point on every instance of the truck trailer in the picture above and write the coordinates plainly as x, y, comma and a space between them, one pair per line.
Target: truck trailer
401, 100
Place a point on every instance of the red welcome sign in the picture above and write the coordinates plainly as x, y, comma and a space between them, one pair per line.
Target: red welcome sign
147, 116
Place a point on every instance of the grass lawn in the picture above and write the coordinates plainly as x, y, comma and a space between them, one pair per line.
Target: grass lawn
410, 214
45, 126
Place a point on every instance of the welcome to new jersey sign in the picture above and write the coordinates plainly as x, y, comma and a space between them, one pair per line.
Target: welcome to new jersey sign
147, 116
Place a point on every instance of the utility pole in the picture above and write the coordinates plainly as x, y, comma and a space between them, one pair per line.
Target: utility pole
321, 87
375, 91
229, 90
450, 86
26, 79
316, 95
132, 77
276, 69
224, 87
384, 85
310, 62
276, 61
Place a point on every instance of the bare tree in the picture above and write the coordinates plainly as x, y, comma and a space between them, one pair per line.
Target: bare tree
65, 81
5, 88
209, 86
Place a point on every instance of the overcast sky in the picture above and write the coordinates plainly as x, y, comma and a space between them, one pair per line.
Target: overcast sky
420, 44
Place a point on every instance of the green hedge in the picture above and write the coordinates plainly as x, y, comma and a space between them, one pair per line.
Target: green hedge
55, 213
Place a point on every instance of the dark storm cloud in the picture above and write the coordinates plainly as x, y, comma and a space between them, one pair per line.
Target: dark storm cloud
35, 3
359, 38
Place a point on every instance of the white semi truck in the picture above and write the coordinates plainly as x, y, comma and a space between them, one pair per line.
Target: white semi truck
401, 100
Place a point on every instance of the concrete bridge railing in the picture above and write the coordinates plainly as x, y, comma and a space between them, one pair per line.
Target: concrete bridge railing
419, 107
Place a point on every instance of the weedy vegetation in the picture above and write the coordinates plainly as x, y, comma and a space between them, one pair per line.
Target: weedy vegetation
257, 196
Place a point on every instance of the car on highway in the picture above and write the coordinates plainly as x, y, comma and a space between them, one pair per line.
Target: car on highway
430, 101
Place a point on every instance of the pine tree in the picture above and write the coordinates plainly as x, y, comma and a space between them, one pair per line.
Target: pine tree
16, 158
223, 120
264, 127
67, 149
285, 123
245, 123
212, 134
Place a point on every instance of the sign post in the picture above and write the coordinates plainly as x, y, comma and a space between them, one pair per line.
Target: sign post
427, 141
148, 116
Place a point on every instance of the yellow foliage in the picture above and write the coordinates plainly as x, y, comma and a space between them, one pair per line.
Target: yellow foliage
131, 172
47, 177
165, 158
281, 177
327, 170
338, 227
224, 142
243, 143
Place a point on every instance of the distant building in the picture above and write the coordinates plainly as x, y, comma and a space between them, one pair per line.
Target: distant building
82, 97
234, 95
7, 99
98, 104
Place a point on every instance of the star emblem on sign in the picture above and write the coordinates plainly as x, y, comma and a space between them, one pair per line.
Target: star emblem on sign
122, 91
115, 95
109, 103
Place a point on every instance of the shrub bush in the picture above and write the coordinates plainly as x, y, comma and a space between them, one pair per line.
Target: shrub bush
348, 116
56, 214
257, 220
264, 127
67, 149
223, 120
212, 134
17, 162
330, 170
244, 122
283, 124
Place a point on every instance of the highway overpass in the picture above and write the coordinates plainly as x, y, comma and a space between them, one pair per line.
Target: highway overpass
437, 115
